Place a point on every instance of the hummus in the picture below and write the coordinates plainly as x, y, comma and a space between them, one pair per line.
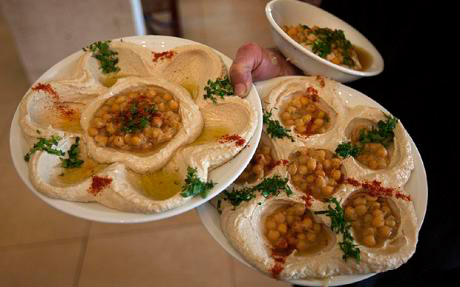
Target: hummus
291, 236
136, 134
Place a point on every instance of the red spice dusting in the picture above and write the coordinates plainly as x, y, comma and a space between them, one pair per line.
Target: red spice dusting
279, 263
239, 141
375, 188
308, 200
321, 81
98, 184
284, 162
62, 108
312, 93
162, 55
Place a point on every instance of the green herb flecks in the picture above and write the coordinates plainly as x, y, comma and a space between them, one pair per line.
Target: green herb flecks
107, 58
327, 39
219, 87
340, 225
138, 116
271, 186
347, 149
44, 144
72, 161
273, 127
382, 134
194, 186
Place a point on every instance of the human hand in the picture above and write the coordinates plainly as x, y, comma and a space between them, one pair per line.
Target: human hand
254, 63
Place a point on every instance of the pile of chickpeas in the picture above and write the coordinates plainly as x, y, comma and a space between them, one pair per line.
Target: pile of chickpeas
303, 112
306, 37
108, 127
373, 155
316, 172
293, 227
372, 219
261, 163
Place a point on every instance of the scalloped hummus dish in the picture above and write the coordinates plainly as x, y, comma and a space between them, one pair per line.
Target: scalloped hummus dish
134, 129
324, 194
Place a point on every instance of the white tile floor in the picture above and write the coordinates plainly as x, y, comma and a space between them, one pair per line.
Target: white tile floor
40, 246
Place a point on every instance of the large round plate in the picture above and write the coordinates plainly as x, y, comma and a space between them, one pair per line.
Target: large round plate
417, 187
223, 175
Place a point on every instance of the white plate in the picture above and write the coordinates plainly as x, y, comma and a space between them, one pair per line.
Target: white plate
417, 187
223, 175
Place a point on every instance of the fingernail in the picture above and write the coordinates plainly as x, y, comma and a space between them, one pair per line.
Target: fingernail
240, 90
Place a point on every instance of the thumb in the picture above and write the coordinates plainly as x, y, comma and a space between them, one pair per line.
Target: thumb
247, 59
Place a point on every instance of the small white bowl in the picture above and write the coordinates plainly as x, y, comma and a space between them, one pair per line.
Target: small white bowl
292, 12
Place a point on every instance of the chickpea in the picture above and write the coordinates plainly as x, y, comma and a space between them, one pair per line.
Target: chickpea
303, 170
381, 152
279, 218
350, 213
273, 235
361, 209
358, 201
110, 128
282, 228
258, 169
136, 140
378, 221
173, 105
336, 174
310, 179
118, 141
311, 163
327, 190
307, 223
92, 131
336, 163
157, 122
167, 96
292, 169
301, 246
369, 240
286, 116
270, 224
98, 122
299, 210
390, 222
320, 181
384, 231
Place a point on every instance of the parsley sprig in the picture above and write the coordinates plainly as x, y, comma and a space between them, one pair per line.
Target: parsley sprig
72, 161
382, 133
274, 128
44, 144
340, 225
271, 186
220, 87
194, 186
107, 58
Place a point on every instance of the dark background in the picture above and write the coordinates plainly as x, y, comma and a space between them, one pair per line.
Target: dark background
419, 45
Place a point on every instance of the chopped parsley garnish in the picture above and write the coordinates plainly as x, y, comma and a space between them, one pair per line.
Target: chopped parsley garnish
138, 116
347, 149
219, 87
107, 58
44, 144
382, 134
274, 128
340, 225
271, 186
72, 161
327, 39
194, 186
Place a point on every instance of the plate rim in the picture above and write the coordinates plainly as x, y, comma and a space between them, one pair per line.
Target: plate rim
132, 217
204, 211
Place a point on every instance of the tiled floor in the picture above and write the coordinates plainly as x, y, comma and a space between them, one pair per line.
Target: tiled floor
40, 246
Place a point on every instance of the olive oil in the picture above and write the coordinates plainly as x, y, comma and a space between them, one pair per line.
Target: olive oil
211, 134
89, 168
109, 80
364, 58
161, 185
68, 124
191, 88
